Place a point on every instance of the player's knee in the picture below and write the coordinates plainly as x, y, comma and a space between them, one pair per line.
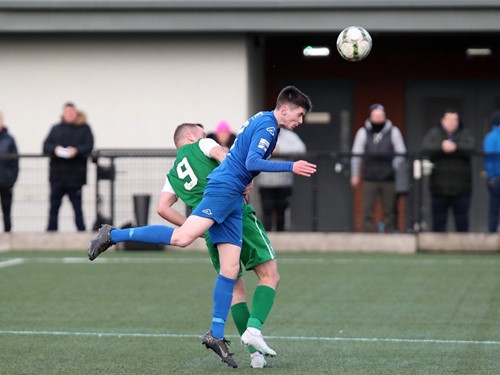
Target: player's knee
277, 279
274, 280
271, 279
230, 270
180, 240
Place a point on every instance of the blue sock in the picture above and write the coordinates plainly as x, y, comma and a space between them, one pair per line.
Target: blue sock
223, 294
157, 234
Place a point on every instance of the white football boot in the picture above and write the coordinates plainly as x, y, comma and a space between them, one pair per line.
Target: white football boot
257, 360
253, 336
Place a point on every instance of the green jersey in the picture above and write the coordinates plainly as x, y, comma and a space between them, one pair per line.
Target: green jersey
188, 176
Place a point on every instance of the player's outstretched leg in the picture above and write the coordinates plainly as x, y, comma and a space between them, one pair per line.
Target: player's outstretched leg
108, 236
101, 242
220, 348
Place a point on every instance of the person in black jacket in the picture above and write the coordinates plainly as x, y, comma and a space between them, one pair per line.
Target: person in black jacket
449, 147
68, 144
9, 169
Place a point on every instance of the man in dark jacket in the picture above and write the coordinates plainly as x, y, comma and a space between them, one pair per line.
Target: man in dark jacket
69, 143
449, 146
9, 169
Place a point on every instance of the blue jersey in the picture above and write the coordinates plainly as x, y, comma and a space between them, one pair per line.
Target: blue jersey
491, 145
248, 156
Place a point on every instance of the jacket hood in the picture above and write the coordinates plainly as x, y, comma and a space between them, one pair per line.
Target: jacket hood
387, 127
81, 119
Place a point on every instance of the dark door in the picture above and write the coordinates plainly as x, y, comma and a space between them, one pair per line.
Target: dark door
324, 201
474, 100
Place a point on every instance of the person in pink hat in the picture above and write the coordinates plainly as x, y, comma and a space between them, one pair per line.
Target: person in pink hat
223, 135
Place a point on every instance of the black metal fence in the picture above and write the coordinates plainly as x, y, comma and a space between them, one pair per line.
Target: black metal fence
324, 202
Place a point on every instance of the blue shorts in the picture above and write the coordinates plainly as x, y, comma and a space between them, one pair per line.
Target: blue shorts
225, 208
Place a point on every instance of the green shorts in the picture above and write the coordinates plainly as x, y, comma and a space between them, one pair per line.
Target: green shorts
256, 248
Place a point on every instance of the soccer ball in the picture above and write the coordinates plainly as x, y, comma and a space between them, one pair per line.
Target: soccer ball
354, 43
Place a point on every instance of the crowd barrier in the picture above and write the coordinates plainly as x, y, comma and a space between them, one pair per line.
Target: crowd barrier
121, 184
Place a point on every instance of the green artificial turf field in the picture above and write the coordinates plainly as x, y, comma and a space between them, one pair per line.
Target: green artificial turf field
144, 313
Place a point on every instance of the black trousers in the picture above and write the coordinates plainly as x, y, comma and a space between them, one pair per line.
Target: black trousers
274, 203
459, 204
6, 198
74, 193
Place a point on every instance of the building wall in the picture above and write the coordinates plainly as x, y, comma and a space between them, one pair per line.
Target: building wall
134, 89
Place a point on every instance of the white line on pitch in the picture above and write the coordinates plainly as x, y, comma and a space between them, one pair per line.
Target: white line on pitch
11, 262
284, 260
289, 338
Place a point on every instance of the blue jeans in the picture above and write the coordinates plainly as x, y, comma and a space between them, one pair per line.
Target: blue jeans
460, 205
494, 189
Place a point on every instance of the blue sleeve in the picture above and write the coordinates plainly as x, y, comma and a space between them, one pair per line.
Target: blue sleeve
488, 159
257, 164
256, 161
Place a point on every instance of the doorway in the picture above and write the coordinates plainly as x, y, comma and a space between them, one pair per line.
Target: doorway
474, 100
324, 201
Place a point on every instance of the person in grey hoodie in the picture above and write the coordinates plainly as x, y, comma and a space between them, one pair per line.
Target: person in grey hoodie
378, 147
9, 169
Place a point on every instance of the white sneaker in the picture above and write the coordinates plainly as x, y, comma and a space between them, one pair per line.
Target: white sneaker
257, 360
253, 336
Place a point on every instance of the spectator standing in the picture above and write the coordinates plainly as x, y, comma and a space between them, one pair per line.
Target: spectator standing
449, 146
68, 144
276, 188
402, 187
9, 170
374, 146
491, 145
223, 135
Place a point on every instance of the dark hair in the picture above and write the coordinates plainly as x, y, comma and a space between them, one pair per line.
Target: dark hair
180, 131
69, 104
292, 95
450, 110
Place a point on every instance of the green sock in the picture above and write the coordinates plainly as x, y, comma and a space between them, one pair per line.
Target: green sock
262, 304
240, 315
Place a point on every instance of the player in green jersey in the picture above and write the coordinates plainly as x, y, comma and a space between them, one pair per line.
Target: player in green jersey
196, 157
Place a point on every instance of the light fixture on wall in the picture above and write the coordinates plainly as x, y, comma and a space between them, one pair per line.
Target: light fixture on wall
311, 51
478, 52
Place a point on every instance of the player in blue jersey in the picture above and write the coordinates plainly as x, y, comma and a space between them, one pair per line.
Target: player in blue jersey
220, 211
